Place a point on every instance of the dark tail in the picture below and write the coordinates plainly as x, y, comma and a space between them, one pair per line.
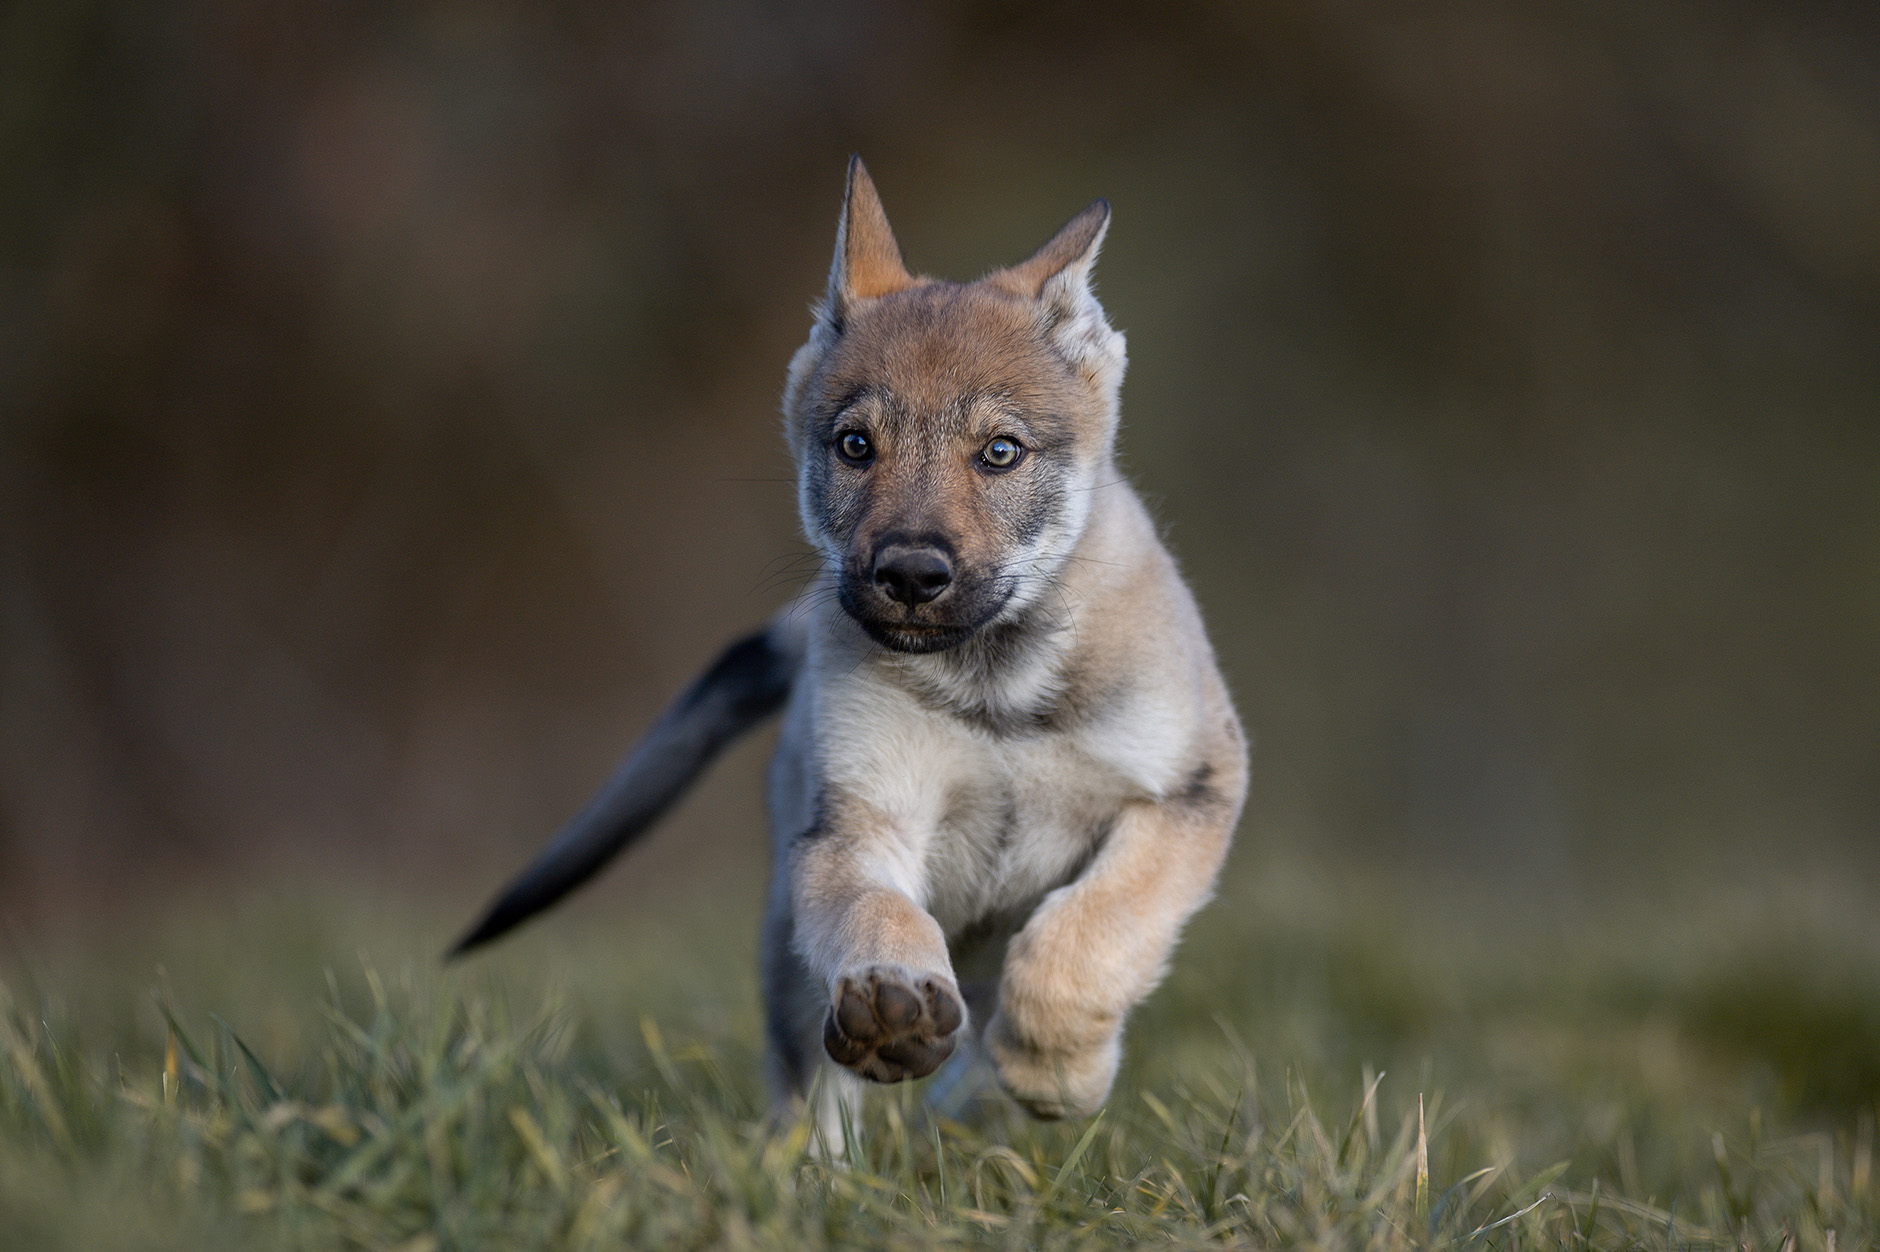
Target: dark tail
747, 684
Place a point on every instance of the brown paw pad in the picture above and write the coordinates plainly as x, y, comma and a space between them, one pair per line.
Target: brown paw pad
888, 1030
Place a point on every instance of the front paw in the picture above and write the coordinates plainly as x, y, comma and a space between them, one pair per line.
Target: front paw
1053, 1082
889, 1024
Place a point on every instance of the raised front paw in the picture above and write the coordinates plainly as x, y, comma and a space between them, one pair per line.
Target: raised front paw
1071, 1079
888, 1025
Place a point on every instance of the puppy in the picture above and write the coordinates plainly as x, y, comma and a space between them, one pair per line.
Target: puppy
1007, 752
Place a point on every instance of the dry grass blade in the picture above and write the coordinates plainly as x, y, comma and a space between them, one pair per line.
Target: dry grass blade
1423, 1163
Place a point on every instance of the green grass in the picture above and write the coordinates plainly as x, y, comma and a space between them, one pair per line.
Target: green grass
1655, 1077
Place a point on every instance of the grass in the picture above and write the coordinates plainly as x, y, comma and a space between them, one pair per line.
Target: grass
1330, 1065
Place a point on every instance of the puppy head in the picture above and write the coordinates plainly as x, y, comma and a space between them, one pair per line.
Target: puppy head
948, 435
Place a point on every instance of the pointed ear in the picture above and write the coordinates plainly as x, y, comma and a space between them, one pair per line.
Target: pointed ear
1058, 274
868, 260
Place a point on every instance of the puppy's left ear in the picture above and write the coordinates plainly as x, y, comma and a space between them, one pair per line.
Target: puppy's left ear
1057, 276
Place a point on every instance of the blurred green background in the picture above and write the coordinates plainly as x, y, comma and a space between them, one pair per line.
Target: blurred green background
388, 413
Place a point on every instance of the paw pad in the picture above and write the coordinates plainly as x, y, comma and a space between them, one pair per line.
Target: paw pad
888, 1029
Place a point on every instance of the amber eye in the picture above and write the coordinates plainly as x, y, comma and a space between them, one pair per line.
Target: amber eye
854, 446
1002, 453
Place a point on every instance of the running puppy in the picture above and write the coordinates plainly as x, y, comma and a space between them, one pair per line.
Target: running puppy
1008, 762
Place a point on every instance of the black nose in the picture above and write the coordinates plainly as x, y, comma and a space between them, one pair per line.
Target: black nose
912, 575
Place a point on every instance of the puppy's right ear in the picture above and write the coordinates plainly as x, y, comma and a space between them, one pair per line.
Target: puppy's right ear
868, 261
868, 266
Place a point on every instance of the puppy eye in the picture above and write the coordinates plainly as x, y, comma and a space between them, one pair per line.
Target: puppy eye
1002, 453
854, 446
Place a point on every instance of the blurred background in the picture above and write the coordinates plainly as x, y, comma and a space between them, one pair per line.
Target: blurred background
388, 412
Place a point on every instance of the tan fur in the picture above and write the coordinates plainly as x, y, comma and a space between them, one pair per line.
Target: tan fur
1044, 757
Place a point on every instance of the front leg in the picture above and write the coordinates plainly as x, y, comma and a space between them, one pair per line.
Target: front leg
895, 1010
1098, 945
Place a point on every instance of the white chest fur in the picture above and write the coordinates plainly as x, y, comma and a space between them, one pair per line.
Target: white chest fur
977, 821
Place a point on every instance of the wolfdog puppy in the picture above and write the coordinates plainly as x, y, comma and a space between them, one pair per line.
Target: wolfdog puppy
1009, 768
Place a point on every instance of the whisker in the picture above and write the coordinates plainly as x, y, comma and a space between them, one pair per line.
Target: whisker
786, 561
797, 569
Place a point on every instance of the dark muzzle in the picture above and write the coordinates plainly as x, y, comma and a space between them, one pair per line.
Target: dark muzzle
912, 574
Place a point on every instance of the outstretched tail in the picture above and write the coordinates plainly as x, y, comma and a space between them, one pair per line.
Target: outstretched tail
745, 685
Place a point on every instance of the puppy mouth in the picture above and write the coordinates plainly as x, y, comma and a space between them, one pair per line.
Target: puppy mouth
902, 630
916, 639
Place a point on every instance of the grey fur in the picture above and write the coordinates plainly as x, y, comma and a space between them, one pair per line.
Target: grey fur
745, 685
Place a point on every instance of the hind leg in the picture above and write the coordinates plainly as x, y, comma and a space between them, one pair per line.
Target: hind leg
793, 1003
793, 1007
803, 1081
